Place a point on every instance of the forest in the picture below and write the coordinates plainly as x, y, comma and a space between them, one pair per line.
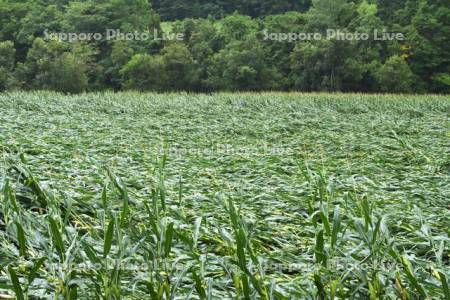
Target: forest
224, 46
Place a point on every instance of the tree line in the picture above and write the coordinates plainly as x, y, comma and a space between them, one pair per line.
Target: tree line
170, 10
225, 46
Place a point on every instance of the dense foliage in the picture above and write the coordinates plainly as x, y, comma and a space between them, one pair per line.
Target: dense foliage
181, 9
225, 46
281, 196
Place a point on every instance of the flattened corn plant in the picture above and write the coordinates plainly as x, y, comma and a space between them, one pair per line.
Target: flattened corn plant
233, 196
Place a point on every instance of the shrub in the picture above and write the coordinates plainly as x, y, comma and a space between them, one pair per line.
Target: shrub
144, 72
395, 76
173, 70
54, 66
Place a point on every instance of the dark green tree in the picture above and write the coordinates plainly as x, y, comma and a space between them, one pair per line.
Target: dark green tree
395, 76
7, 61
144, 73
278, 53
55, 66
334, 14
67, 74
325, 65
180, 68
242, 65
429, 38
237, 27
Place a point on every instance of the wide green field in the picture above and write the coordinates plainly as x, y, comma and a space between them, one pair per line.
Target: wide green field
232, 196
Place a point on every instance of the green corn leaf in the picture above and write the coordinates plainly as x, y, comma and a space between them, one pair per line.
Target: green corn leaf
162, 193
104, 197
197, 226
240, 248
336, 226
411, 277
120, 186
16, 284
320, 286
444, 282
233, 214
168, 239
245, 286
21, 239
90, 252
320, 248
33, 272
325, 220
108, 238
57, 237
199, 285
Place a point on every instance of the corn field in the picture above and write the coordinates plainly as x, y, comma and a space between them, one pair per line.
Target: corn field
224, 196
